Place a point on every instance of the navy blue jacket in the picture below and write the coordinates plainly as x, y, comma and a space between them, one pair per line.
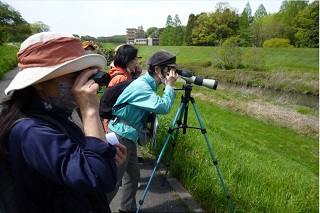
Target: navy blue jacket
56, 172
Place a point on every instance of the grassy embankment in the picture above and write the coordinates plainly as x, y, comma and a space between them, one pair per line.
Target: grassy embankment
267, 166
269, 162
8, 56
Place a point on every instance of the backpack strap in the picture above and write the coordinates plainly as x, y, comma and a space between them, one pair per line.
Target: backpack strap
50, 119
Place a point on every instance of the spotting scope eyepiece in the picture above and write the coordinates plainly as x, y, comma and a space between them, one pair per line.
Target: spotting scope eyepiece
184, 73
189, 78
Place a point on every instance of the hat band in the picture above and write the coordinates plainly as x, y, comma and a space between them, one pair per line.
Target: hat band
60, 50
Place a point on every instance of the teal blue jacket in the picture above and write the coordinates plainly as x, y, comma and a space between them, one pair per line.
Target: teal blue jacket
142, 99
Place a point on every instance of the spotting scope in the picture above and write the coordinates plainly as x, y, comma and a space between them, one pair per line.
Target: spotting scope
191, 79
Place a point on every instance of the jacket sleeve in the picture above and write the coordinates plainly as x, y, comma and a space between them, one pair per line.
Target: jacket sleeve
82, 163
145, 98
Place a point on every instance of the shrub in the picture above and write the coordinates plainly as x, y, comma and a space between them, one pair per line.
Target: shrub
254, 59
277, 42
229, 55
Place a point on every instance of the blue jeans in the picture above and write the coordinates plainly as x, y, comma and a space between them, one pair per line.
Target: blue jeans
129, 173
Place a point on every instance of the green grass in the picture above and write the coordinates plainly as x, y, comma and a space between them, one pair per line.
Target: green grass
8, 58
302, 59
288, 69
265, 168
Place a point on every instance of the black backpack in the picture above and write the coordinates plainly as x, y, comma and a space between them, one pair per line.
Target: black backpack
109, 98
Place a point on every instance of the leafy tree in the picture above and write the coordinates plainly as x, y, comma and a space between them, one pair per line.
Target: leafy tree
120, 39
167, 36
14, 27
288, 11
39, 27
230, 54
266, 28
158, 32
202, 33
214, 28
88, 38
151, 32
306, 26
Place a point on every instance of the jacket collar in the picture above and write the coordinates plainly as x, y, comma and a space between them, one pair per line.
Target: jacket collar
150, 81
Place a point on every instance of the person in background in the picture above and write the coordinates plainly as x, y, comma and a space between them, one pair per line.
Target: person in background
124, 67
81, 166
142, 99
138, 69
90, 48
115, 53
125, 63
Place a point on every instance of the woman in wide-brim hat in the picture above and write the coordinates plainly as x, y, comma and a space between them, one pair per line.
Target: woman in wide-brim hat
55, 164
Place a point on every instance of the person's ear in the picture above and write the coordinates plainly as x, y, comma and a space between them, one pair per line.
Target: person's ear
157, 70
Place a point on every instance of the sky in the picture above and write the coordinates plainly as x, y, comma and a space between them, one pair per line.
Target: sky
111, 17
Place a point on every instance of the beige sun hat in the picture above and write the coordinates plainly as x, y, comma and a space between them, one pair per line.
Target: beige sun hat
48, 55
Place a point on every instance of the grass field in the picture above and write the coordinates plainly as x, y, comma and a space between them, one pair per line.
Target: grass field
266, 168
268, 158
288, 69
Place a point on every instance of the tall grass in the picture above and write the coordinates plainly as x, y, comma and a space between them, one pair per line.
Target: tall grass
265, 168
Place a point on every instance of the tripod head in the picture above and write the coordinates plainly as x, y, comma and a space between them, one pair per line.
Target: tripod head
187, 88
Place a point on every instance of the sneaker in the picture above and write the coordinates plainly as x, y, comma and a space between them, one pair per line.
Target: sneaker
139, 185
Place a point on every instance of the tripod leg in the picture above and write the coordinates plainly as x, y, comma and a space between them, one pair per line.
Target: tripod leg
181, 107
215, 162
173, 144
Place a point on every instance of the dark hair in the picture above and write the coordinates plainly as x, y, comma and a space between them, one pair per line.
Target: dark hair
12, 108
125, 54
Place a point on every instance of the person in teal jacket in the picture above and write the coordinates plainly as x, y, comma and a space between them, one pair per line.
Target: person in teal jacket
141, 99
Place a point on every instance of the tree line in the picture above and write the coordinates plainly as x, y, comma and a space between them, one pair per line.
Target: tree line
295, 25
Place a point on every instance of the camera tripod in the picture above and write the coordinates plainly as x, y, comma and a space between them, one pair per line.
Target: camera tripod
183, 113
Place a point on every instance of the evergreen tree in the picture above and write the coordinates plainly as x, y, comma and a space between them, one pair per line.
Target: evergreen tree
188, 30
169, 21
261, 12
176, 21
244, 23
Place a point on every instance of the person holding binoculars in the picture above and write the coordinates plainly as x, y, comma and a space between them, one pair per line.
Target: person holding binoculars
55, 164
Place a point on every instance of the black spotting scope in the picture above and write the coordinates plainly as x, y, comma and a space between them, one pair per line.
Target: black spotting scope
189, 78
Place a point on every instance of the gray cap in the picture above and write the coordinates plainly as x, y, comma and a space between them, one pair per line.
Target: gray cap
162, 57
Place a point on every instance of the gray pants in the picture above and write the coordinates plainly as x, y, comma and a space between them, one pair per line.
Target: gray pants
129, 173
